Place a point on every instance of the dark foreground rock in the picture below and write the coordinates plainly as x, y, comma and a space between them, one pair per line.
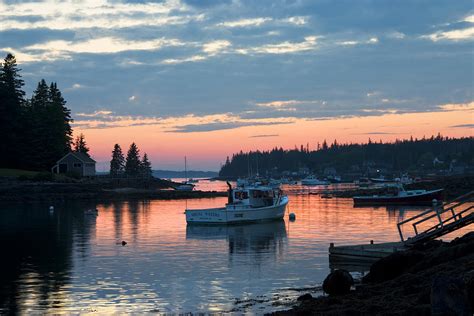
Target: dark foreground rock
433, 279
338, 282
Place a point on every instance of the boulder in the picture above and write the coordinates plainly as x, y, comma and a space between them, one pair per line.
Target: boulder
338, 282
392, 266
449, 296
304, 297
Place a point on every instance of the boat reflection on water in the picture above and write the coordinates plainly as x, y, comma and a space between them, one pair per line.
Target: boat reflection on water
251, 238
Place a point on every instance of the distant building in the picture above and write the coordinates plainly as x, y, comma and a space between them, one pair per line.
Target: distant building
76, 163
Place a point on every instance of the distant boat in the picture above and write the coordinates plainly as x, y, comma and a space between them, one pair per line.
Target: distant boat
245, 204
312, 180
288, 181
380, 179
191, 180
186, 185
403, 197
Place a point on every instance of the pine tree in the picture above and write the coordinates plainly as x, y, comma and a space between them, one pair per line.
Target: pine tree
11, 107
80, 145
132, 164
61, 116
145, 167
117, 164
37, 117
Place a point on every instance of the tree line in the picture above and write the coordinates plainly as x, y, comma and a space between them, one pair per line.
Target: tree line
132, 166
399, 156
36, 132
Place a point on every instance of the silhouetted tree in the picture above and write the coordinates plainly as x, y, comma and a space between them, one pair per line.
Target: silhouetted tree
145, 167
132, 164
11, 107
117, 164
80, 145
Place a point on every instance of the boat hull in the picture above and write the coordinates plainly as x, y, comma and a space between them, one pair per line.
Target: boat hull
230, 216
419, 199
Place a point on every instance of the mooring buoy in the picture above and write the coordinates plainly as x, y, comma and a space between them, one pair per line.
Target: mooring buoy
292, 216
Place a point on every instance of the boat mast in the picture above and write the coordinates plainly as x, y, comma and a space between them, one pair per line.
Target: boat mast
185, 170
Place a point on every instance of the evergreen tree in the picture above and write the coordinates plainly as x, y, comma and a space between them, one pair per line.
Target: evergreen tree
61, 119
37, 118
132, 163
11, 107
117, 164
80, 145
145, 167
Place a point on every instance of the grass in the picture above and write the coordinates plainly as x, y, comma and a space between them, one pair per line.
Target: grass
16, 173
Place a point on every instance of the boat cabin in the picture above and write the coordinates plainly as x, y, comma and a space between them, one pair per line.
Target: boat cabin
253, 197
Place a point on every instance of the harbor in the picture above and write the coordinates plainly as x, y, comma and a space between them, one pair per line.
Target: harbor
273, 263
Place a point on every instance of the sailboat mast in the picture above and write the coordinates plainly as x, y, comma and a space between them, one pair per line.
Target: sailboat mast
185, 169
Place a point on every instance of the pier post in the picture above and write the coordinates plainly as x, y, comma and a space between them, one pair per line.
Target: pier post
436, 209
400, 232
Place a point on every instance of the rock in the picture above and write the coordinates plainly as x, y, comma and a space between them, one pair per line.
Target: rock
304, 297
392, 266
449, 296
338, 282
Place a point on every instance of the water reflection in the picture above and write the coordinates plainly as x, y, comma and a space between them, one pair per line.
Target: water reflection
258, 241
36, 257
69, 262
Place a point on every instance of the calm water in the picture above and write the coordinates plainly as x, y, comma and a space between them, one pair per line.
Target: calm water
67, 261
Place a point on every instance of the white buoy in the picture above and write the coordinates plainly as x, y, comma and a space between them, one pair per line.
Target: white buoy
292, 216
51, 209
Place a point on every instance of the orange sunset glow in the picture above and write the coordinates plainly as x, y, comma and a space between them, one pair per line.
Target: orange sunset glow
207, 150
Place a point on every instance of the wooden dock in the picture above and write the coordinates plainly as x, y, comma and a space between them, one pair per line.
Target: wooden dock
447, 218
362, 254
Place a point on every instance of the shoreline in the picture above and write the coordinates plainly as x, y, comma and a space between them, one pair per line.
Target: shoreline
37, 192
419, 281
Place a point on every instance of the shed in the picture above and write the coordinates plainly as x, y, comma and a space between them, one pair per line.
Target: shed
75, 162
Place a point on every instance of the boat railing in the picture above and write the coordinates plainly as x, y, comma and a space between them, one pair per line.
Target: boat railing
438, 213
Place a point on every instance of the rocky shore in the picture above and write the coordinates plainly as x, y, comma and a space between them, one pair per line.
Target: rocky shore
15, 191
436, 278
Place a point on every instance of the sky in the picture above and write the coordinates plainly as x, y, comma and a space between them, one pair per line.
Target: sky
208, 78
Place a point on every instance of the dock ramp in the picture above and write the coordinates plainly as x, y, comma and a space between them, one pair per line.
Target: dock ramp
439, 220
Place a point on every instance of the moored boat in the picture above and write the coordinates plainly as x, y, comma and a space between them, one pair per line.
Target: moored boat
312, 180
245, 204
404, 197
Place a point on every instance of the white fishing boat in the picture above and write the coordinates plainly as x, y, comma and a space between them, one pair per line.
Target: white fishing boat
312, 180
245, 204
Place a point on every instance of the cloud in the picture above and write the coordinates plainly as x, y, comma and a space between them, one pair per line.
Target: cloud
286, 47
469, 19
454, 35
174, 61
287, 103
256, 22
215, 47
132, 98
216, 126
457, 106
244, 22
93, 14
61, 49
376, 133
264, 136
463, 126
